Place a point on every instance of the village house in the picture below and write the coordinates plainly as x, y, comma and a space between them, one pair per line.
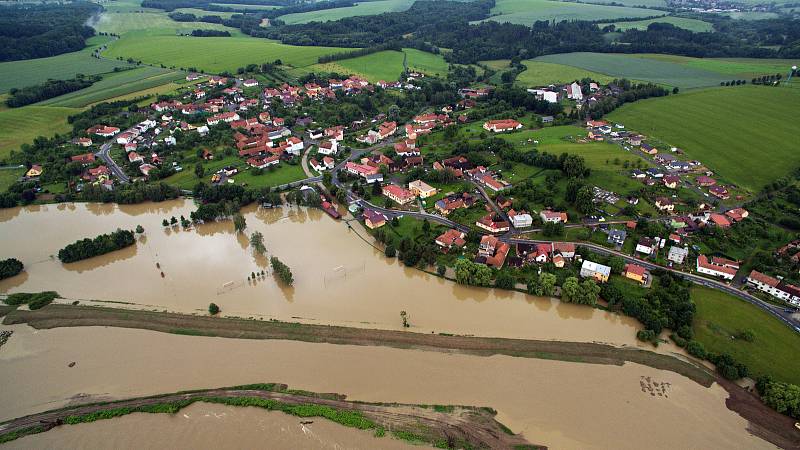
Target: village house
94, 174
705, 181
422, 189
398, 194
677, 254
598, 272
544, 94
373, 219
719, 220
146, 169
454, 201
648, 149
671, 181
664, 204
499, 126
34, 171
336, 133
264, 161
330, 147
368, 173
316, 165
774, 287
83, 142
553, 216
493, 223
102, 130
635, 272
492, 252
574, 92
250, 83
226, 117
520, 219
647, 246
86, 158
717, 267
719, 192
617, 237
451, 238
737, 214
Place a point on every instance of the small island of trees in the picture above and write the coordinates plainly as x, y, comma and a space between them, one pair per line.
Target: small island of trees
88, 248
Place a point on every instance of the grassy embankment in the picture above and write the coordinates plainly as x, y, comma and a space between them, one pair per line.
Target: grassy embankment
54, 316
442, 426
525, 12
744, 133
721, 316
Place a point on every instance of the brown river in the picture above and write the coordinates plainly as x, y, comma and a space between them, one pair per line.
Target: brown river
339, 279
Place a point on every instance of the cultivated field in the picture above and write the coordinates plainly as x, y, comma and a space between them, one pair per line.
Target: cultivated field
202, 12
744, 68
525, 12
21, 125
720, 316
17, 74
747, 134
543, 73
212, 54
698, 26
360, 9
246, 7
628, 66
125, 22
386, 65
647, 3
115, 85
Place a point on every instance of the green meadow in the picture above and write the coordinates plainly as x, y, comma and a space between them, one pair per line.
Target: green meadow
21, 125
211, 54
386, 65
646, 3
628, 66
540, 73
697, 26
154, 21
116, 85
747, 134
17, 74
735, 67
525, 12
720, 316
360, 9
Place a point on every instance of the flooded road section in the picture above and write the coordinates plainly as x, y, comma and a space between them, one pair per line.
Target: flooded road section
560, 404
204, 425
339, 279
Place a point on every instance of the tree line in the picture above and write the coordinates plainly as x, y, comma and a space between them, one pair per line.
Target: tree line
48, 89
100, 245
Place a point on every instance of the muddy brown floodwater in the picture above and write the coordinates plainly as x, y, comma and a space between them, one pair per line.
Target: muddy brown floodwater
339, 279
204, 425
563, 405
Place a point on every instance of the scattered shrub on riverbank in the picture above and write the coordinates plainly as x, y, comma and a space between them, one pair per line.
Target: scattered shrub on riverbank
213, 309
10, 267
282, 270
33, 300
88, 248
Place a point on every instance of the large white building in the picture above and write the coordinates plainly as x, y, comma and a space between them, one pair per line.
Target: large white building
594, 270
774, 287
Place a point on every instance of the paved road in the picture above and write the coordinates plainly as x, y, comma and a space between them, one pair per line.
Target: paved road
105, 155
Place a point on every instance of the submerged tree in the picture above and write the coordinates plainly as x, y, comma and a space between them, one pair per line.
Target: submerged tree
257, 242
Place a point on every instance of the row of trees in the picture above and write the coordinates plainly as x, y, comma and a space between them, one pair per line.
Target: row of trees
88, 248
48, 89
282, 270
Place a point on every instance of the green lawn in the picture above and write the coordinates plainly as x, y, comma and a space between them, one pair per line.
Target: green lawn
525, 12
116, 85
720, 316
636, 68
285, 173
697, 26
386, 65
21, 125
746, 133
17, 74
543, 73
212, 54
8, 177
360, 9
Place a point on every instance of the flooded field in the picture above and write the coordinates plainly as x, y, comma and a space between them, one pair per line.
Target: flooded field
560, 404
339, 279
204, 425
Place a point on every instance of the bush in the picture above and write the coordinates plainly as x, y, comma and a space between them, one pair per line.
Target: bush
746, 335
282, 270
33, 300
213, 309
646, 336
504, 280
679, 341
10, 267
390, 251
696, 349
